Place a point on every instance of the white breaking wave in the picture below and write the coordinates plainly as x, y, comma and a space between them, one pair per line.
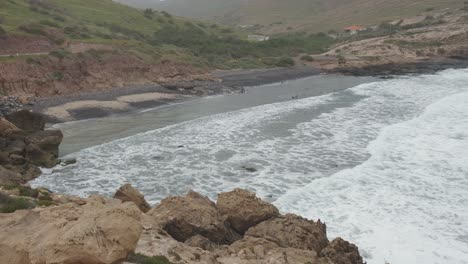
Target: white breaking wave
384, 164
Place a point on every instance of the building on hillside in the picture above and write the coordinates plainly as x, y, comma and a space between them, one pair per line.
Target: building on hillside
257, 37
354, 29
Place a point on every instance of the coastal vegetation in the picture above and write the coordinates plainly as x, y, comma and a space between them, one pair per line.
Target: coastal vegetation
150, 34
298, 15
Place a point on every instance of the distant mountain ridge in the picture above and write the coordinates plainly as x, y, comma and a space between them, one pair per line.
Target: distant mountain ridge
310, 15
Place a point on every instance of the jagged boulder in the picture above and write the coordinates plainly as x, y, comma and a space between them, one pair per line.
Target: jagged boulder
243, 209
340, 251
48, 141
27, 120
186, 216
101, 231
127, 193
292, 231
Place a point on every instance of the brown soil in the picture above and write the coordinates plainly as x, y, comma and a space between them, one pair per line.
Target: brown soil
84, 72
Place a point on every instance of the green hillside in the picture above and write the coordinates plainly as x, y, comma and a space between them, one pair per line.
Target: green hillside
310, 15
150, 34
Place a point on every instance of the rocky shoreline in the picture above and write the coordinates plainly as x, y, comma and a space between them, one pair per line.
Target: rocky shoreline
429, 66
89, 105
39, 226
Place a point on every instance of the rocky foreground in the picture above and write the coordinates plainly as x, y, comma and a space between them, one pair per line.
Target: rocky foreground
39, 226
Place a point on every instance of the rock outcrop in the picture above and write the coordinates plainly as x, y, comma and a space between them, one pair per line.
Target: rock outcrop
27, 121
25, 145
292, 231
127, 193
100, 231
192, 229
191, 215
243, 209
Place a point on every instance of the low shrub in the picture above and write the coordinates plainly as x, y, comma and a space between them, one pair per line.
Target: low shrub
142, 259
23, 190
49, 23
2, 31
60, 53
341, 59
307, 58
33, 28
58, 75
10, 204
44, 203
285, 62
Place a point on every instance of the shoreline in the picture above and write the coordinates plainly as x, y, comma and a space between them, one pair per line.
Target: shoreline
107, 103
99, 104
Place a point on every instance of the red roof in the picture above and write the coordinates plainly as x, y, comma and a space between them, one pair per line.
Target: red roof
354, 28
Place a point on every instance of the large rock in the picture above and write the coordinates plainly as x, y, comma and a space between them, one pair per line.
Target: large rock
27, 120
191, 215
39, 157
49, 140
6, 126
8, 176
340, 251
244, 210
101, 231
127, 193
42, 147
292, 231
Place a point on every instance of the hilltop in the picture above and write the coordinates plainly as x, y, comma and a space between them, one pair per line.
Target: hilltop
272, 16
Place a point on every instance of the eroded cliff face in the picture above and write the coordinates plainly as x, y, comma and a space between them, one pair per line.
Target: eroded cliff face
15, 44
82, 72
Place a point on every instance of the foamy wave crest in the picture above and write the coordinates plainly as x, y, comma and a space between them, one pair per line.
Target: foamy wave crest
407, 203
397, 197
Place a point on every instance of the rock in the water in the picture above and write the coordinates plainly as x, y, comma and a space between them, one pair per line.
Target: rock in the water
292, 231
102, 231
340, 251
68, 161
27, 120
39, 157
244, 210
127, 193
191, 215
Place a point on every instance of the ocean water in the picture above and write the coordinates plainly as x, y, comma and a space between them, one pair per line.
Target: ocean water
384, 164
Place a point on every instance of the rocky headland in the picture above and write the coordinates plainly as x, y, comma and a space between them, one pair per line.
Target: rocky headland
40, 226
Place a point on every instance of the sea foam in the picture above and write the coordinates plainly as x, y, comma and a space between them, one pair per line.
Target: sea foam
383, 164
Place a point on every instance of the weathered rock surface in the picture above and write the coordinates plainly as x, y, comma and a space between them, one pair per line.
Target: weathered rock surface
27, 121
243, 209
101, 231
183, 230
342, 252
24, 145
191, 215
292, 231
127, 193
